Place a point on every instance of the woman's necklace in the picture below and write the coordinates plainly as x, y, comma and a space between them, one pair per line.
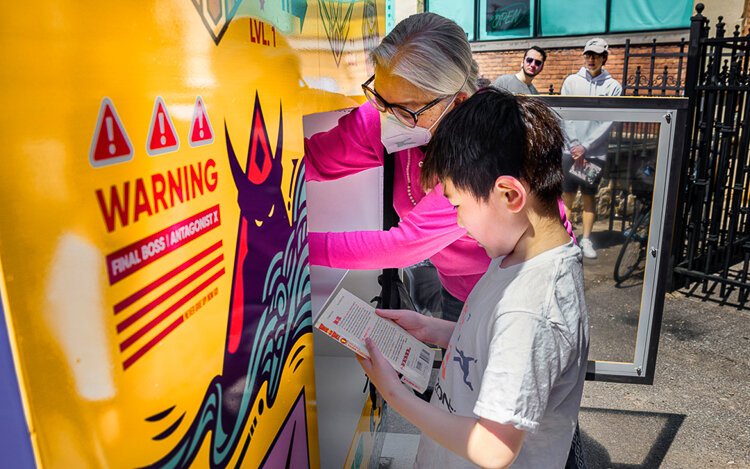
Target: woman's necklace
408, 177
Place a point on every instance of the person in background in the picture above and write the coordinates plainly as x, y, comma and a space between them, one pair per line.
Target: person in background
521, 82
587, 141
510, 385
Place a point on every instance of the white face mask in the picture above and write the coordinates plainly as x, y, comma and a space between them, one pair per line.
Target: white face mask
397, 136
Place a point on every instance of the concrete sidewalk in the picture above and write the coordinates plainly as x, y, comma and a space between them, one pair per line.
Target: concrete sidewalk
697, 412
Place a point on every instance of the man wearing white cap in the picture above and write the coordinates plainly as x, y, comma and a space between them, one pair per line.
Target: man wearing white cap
588, 141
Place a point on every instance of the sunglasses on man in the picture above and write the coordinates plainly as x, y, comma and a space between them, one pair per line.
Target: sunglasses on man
536, 62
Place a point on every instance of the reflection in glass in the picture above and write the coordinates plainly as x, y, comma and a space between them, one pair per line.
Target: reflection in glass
506, 19
623, 196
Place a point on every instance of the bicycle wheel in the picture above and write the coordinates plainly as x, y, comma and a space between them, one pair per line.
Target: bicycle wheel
633, 250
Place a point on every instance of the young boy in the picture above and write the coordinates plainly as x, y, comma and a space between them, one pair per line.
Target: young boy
510, 385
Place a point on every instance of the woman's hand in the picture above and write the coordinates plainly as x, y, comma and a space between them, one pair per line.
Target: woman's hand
414, 323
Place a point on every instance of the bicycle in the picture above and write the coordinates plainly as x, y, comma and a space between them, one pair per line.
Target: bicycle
633, 250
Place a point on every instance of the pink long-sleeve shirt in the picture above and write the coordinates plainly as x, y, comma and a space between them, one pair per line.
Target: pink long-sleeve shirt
428, 229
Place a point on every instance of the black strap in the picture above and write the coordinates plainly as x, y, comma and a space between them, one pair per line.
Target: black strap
390, 219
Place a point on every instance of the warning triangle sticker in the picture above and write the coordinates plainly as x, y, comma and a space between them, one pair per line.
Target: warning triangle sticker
201, 132
111, 143
162, 137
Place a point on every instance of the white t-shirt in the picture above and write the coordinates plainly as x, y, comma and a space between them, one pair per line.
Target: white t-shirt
518, 356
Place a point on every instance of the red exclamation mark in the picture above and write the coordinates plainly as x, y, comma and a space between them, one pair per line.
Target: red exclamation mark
200, 124
110, 135
163, 138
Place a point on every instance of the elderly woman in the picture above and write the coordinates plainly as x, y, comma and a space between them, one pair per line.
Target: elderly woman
423, 70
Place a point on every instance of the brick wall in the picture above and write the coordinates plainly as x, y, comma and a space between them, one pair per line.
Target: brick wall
562, 62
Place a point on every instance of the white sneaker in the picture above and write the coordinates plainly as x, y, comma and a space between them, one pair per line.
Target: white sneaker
587, 247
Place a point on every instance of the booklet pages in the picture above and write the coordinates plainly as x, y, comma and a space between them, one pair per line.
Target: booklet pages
349, 320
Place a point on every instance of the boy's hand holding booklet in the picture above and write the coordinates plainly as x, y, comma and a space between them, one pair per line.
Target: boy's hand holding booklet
350, 320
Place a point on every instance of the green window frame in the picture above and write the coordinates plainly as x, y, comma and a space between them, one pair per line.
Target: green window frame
485, 20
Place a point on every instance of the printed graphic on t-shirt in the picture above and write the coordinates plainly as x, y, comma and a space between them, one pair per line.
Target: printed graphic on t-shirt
446, 359
443, 398
465, 316
464, 362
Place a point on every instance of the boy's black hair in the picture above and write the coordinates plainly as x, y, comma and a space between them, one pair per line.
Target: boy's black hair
541, 51
493, 134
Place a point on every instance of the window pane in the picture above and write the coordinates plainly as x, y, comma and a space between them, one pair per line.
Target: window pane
564, 18
460, 11
504, 19
637, 15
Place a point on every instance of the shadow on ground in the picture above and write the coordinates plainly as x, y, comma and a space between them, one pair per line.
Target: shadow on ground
662, 426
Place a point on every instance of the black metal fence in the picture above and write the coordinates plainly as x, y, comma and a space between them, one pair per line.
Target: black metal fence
654, 69
711, 256
712, 238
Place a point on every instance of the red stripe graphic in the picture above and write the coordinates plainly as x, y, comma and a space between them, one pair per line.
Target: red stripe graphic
163, 297
151, 343
154, 322
160, 281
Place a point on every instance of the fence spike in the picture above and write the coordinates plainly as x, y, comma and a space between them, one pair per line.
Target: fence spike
707, 244
720, 27
637, 81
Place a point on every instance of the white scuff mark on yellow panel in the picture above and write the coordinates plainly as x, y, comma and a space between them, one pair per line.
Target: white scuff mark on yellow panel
76, 312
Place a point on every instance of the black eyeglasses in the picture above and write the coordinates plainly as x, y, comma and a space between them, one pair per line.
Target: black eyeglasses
405, 116
536, 62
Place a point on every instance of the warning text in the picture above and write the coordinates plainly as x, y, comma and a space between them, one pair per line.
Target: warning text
133, 257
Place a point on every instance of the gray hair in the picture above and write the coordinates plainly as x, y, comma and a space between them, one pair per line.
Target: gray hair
431, 52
